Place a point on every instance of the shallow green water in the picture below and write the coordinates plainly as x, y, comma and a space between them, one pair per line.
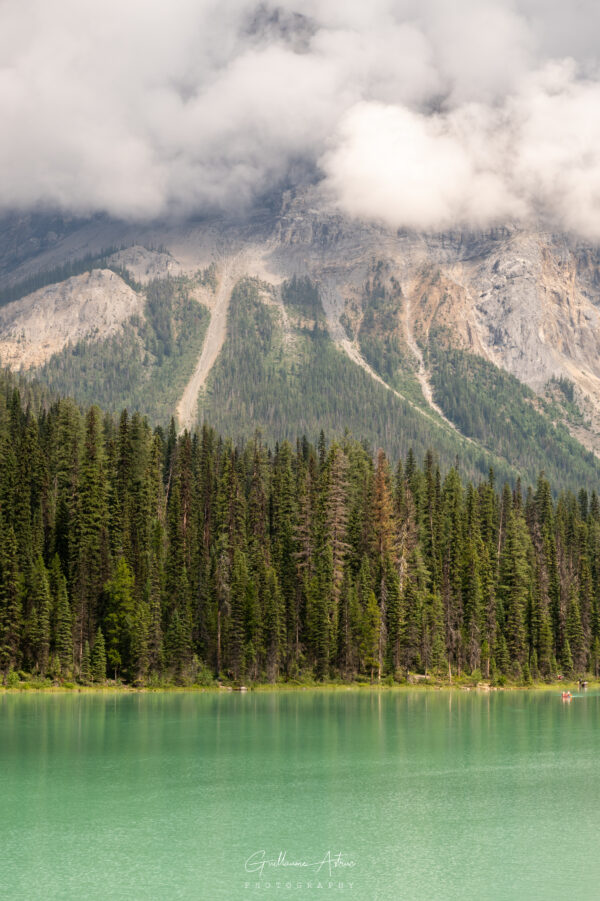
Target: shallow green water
430, 796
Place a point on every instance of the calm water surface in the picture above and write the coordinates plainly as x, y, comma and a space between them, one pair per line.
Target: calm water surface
431, 796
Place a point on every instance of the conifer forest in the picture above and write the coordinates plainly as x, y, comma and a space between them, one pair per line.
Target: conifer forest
148, 557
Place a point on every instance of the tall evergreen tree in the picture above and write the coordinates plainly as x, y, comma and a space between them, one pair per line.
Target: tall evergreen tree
42, 604
10, 601
119, 623
91, 545
62, 632
98, 658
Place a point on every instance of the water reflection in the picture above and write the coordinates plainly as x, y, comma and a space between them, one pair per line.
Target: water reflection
119, 795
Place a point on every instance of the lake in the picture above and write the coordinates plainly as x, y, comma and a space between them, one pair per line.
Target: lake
300, 795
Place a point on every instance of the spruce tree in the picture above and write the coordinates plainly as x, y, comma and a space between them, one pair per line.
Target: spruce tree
595, 657
396, 622
566, 659
501, 655
575, 635
237, 619
274, 625
545, 652
42, 606
178, 638
119, 622
154, 603
435, 629
515, 584
369, 639
91, 537
139, 661
98, 658
63, 636
85, 671
10, 601
452, 531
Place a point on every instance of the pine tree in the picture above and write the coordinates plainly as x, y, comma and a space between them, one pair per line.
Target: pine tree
413, 625
85, 672
347, 610
595, 657
139, 648
63, 637
318, 613
336, 516
545, 652
501, 654
237, 619
253, 645
567, 659
98, 658
395, 612
370, 631
533, 665
26, 493
284, 529
383, 513
274, 625
489, 606
435, 658
178, 646
384, 527
473, 602
515, 584
258, 514
178, 638
10, 601
485, 658
452, 576
42, 607
575, 636
154, 603
64, 452
120, 623
91, 565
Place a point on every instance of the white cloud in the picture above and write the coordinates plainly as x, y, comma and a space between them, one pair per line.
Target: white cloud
416, 171
534, 158
421, 113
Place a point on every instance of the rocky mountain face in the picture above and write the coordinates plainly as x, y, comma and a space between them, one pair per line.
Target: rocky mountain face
393, 304
85, 307
528, 302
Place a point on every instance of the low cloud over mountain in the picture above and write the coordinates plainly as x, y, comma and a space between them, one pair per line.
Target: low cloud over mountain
423, 114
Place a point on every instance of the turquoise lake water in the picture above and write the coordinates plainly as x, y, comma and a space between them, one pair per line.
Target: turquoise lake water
386, 796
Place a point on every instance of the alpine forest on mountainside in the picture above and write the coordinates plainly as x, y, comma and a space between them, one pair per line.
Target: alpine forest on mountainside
154, 559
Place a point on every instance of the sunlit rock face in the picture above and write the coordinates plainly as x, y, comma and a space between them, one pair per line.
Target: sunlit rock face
526, 300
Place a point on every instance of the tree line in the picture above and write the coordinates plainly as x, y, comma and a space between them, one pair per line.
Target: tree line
150, 557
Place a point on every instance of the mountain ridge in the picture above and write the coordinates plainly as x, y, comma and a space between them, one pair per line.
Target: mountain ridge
396, 305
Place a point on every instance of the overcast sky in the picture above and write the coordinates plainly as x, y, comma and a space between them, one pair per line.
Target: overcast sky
422, 113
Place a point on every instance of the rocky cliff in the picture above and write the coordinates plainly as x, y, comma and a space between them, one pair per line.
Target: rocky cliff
527, 302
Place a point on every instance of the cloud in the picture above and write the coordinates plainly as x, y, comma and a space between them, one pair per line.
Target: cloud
533, 158
418, 171
418, 113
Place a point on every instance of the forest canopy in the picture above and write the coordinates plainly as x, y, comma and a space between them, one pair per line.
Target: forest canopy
148, 557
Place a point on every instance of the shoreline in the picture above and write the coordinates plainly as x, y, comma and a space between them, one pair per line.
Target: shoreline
266, 688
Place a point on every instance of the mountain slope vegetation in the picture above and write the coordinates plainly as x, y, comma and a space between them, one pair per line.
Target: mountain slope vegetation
432, 317
283, 376
145, 367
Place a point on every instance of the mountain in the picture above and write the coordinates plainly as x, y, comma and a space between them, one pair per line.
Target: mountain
484, 346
